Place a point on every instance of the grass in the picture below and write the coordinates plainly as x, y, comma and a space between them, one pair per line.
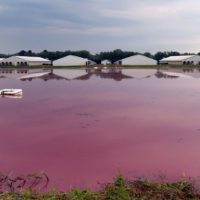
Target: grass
119, 189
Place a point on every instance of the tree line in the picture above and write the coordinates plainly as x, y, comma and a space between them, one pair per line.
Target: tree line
113, 56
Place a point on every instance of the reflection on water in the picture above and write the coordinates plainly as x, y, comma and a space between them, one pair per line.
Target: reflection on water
137, 121
59, 74
184, 72
160, 74
11, 96
117, 74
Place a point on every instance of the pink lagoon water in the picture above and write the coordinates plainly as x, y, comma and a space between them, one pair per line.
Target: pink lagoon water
82, 128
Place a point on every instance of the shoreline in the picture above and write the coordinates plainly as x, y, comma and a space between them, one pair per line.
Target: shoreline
102, 66
120, 189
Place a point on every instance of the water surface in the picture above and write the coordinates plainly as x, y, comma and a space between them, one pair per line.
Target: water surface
82, 127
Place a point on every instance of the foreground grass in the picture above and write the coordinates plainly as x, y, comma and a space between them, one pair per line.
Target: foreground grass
120, 189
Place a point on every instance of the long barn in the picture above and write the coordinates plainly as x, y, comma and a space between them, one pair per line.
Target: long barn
181, 60
24, 61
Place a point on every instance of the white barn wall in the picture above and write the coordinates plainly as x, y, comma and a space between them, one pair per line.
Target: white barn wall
37, 63
105, 62
195, 59
11, 61
72, 61
137, 60
173, 62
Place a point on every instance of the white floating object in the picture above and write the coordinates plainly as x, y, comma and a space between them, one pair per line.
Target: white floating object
12, 92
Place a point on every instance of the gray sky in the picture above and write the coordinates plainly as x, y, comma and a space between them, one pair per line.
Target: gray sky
100, 25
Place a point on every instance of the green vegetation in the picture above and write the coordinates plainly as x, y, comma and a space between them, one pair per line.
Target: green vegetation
113, 56
120, 189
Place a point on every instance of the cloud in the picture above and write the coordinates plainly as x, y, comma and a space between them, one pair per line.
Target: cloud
151, 25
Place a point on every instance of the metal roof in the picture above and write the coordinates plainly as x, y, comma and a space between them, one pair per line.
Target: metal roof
32, 59
137, 56
71, 57
177, 58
